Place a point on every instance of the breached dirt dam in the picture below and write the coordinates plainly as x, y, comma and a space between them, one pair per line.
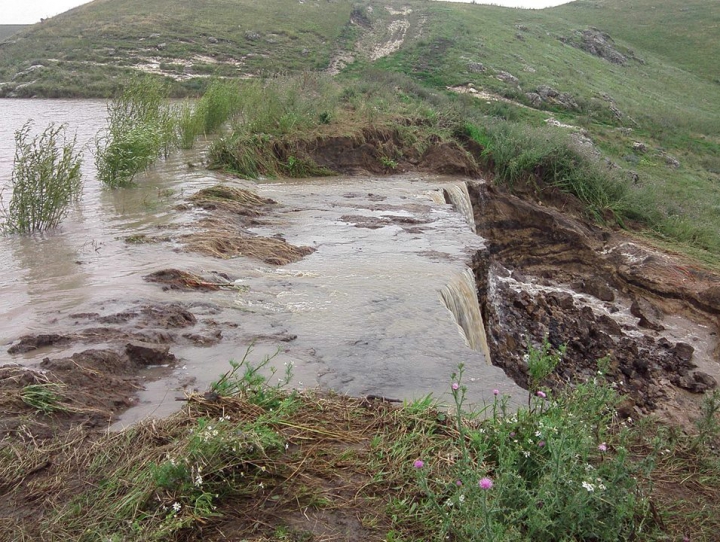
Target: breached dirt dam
368, 285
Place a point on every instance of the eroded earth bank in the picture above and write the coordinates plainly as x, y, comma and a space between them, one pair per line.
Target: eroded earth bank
603, 294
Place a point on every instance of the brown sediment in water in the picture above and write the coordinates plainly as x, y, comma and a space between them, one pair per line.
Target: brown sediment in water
221, 241
231, 199
175, 279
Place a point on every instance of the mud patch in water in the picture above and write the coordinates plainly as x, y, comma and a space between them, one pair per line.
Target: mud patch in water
224, 233
79, 386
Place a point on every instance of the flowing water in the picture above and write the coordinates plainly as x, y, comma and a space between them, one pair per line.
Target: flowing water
384, 306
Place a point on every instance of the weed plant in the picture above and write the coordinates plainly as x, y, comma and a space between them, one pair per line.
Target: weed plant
46, 179
141, 127
557, 470
218, 104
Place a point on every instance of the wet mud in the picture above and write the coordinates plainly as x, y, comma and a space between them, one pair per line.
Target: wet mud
547, 275
94, 372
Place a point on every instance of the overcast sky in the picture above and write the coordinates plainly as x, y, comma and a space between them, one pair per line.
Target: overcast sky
31, 11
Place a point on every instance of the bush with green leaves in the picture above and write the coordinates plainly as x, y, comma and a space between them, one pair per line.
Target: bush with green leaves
557, 470
46, 179
141, 127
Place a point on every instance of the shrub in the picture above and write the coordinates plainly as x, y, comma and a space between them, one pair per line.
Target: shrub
557, 470
46, 178
141, 127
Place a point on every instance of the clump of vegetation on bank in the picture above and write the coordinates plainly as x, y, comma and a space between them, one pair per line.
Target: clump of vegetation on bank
46, 179
284, 119
248, 460
549, 158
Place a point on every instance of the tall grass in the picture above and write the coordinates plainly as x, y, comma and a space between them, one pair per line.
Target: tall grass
278, 115
141, 127
550, 158
281, 107
46, 178
220, 102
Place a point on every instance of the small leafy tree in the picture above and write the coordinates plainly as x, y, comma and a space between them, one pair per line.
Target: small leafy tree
46, 178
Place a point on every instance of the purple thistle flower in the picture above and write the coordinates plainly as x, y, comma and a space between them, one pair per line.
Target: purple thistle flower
458, 483
541, 443
455, 386
496, 392
603, 447
485, 483
419, 463
512, 434
541, 394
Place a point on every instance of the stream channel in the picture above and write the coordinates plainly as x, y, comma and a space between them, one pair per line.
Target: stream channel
373, 310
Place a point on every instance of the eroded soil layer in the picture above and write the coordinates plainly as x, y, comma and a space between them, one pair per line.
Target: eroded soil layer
601, 293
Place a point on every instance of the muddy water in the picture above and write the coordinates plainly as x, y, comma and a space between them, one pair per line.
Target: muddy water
363, 314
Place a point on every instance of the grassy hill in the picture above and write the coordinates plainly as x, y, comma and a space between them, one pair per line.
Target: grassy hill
637, 81
7, 30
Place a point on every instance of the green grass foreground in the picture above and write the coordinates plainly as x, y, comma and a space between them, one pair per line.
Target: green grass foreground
250, 461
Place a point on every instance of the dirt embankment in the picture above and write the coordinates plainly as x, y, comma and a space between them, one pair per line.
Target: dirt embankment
601, 293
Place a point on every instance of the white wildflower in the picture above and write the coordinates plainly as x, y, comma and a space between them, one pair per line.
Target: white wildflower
177, 506
587, 485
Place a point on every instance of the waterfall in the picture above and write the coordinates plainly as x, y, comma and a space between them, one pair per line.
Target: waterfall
459, 197
460, 297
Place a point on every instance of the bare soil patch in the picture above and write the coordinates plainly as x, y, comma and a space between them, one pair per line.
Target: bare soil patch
602, 293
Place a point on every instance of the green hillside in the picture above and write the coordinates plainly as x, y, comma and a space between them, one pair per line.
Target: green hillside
684, 33
636, 81
7, 30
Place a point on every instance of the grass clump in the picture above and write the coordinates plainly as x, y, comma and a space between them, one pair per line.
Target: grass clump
548, 158
44, 398
219, 103
141, 127
272, 115
46, 178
